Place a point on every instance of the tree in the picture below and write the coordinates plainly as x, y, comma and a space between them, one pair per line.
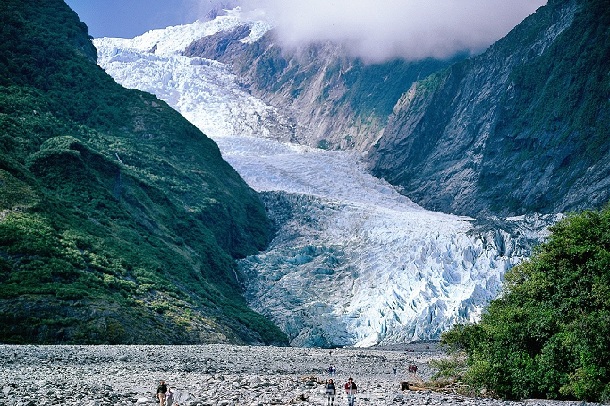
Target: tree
548, 334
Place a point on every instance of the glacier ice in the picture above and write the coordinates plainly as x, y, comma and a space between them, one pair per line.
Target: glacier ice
353, 261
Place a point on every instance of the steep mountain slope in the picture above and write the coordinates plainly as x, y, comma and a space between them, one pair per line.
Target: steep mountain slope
119, 220
521, 128
352, 261
337, 101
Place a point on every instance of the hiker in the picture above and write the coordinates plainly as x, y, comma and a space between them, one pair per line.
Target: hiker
350, 389
169, 397
330, 392
161, 391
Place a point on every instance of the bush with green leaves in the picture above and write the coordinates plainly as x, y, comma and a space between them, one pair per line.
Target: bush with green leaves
548, 334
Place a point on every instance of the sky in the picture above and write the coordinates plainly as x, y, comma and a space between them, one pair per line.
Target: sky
130, 18
375, 30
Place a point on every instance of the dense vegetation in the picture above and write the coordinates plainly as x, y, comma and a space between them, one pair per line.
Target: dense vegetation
548, 335
576, 81
373, 89
119, 220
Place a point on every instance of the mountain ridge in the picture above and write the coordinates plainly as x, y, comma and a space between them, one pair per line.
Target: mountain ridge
119, 220
517, 129
338, 101
446, 269
352, 261
308, 249
324, 237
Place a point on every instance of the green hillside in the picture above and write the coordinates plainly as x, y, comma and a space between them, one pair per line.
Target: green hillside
119, 220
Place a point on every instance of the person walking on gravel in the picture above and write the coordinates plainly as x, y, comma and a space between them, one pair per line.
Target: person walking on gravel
350, 389
169, 397
330, 392
161, 391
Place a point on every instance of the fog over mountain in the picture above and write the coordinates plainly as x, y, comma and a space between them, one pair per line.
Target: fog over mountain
415, 29
372, 30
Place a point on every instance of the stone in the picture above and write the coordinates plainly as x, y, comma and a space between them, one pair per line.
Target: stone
246, 376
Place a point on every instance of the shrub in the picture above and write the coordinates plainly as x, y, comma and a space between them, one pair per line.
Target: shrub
548, 335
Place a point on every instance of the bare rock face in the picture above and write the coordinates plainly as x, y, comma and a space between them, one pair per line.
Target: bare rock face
521, 128
338, 101
512, 130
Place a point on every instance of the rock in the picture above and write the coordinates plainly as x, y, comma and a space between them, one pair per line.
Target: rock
247, 376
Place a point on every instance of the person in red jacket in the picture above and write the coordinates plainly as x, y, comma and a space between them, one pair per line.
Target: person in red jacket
350, 389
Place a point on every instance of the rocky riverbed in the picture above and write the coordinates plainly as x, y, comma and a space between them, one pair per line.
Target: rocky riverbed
218, 375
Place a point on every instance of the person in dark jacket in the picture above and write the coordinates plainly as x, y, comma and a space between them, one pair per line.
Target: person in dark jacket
330, 392
161, 391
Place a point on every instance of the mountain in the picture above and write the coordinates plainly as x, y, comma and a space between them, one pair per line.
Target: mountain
119, 220
335, 100
521, 128
517, 130
529, 115
352, 261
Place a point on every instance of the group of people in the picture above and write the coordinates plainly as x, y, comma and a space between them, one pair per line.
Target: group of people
165, 395
350, 388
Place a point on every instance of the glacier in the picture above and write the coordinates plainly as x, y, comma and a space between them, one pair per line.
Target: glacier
353, 262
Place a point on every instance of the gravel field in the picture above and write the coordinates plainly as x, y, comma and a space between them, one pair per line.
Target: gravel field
219, 375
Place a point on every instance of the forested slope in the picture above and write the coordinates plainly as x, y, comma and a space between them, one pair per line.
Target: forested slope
119, 220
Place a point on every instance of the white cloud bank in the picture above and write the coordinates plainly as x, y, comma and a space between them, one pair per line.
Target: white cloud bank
377, 30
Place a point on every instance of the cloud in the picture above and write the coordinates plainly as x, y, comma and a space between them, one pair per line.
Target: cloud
377, 30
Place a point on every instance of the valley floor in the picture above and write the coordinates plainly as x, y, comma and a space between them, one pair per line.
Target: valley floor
218, 375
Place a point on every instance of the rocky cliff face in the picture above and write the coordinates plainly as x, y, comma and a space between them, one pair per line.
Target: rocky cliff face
521, 128
337, 101
518, 129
